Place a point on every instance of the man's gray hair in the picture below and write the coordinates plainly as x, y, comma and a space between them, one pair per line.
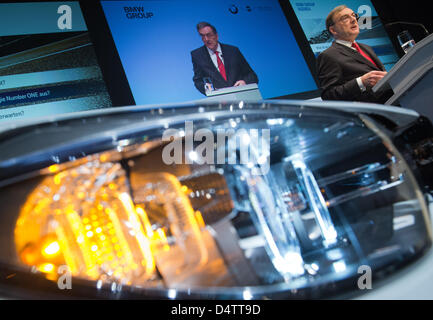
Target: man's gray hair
203, 24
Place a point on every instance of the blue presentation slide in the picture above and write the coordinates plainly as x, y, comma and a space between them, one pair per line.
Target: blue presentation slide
312, 16
154, 40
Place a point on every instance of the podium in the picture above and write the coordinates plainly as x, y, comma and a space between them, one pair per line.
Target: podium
246, 92
411, 79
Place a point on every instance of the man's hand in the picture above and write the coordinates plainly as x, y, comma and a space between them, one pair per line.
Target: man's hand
240, 83
373, 77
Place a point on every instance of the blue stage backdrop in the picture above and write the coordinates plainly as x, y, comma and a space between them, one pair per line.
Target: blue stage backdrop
154, 40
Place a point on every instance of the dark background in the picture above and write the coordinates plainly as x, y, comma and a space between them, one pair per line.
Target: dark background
414, 11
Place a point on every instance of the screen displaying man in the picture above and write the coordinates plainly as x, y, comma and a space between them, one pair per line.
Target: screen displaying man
348, 70
149, 63
218, 64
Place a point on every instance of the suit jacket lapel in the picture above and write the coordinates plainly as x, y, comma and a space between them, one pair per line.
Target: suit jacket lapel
209, 61
373, 56
354, 54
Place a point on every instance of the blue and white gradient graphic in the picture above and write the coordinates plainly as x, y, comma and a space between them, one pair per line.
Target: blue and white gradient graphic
155, 51
36, 18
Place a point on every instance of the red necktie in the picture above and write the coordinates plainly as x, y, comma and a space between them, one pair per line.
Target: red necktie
221, 67
366, 56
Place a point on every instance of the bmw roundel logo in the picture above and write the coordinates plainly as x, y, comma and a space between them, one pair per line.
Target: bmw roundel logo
233, 9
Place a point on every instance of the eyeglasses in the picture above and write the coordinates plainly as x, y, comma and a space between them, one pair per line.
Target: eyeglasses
207, 35
346, 18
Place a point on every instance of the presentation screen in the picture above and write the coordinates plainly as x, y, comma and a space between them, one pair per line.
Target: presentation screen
155, 41
312, 15
47, 61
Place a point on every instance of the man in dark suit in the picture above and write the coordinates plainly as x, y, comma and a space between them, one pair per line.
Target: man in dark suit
348, 70
223, 64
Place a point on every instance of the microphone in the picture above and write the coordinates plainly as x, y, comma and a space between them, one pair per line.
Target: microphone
409, 24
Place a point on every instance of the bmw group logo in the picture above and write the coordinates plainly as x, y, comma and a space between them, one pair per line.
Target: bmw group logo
233, 9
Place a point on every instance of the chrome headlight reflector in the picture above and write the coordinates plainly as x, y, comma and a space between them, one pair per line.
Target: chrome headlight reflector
324, 193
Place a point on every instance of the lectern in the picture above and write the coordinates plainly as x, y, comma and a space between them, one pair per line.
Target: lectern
246, 92
411, 79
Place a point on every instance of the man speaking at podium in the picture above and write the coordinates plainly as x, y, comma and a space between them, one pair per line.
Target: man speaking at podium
223, 64
348, 70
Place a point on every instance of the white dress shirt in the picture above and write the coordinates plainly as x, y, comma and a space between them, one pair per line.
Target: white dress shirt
214, 57
349, 45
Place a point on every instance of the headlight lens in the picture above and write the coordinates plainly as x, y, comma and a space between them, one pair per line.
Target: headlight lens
317, 197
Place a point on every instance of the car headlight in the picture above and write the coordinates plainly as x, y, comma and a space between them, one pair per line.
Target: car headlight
241, 201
